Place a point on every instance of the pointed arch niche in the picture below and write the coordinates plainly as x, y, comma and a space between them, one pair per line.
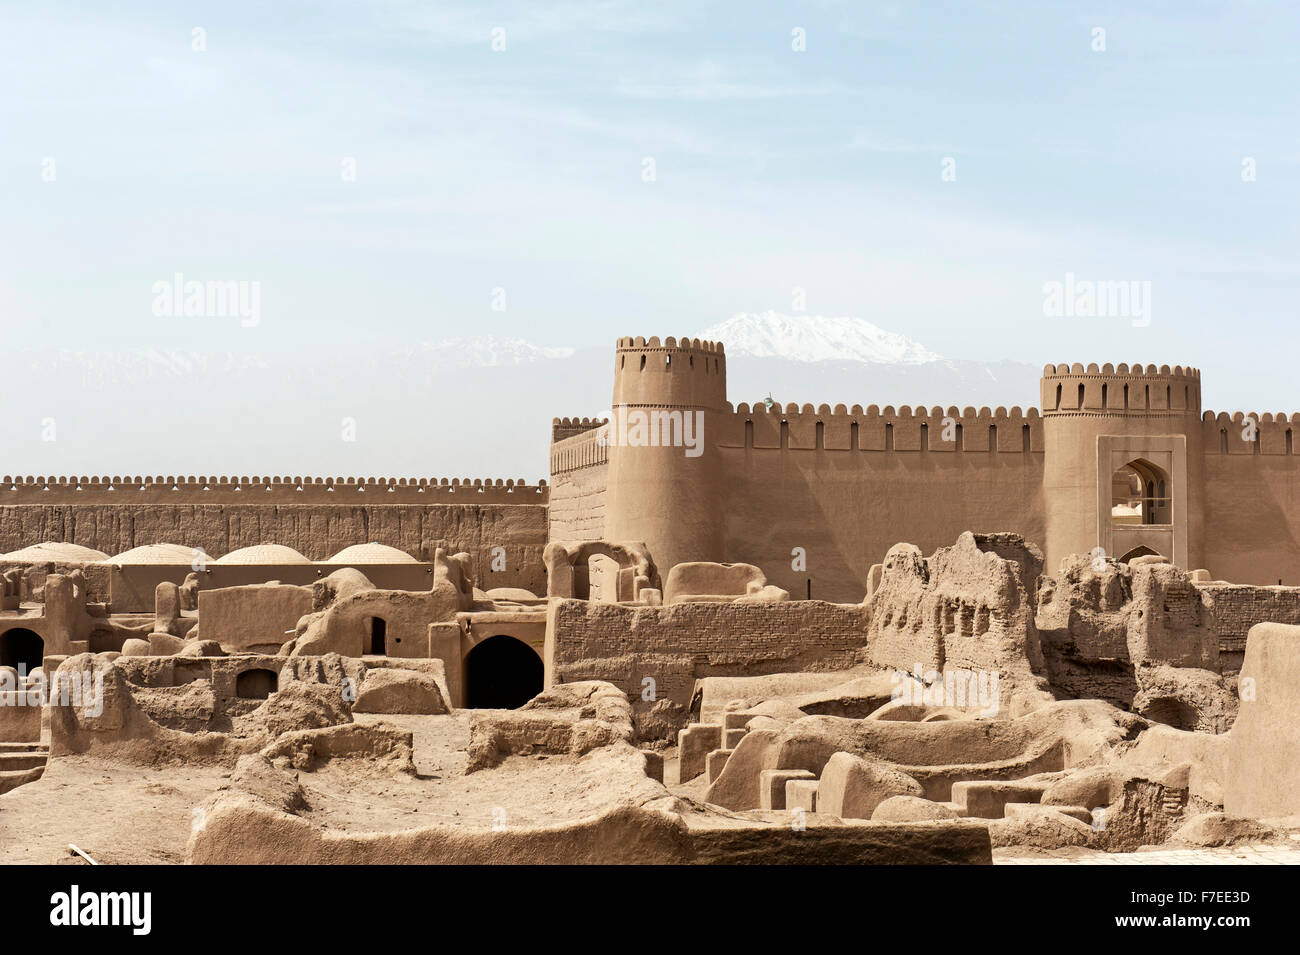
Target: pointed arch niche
1142, 496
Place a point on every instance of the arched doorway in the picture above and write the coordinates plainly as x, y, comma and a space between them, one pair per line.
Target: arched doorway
22, 649
378, 636
1172, 712
502, 673
1140, 494
1140, 551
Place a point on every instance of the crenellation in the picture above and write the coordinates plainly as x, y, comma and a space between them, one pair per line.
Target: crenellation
832, 430
1120, 390
1249, 433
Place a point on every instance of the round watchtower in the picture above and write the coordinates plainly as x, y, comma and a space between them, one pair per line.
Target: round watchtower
1123, 468
664, 487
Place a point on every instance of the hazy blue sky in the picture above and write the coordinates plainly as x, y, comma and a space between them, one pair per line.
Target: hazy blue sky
522, 169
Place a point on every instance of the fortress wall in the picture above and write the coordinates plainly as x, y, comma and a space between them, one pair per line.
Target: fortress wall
876, 429
834, 490
191, 489
562, 428
318, 531
579, 477
1252, 499
677, 644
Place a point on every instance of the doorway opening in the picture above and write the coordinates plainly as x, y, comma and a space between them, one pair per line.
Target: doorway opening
378, 636
256, 684
1140, 551
1140, 494
22, 649
502, 673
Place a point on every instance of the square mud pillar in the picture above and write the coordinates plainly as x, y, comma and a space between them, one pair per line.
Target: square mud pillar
654, 764
801, 794
986, 798
717, 762
694, 744
771, 786
731, 738
736, 720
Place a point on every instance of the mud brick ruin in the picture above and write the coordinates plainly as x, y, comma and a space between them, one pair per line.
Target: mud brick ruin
718, 633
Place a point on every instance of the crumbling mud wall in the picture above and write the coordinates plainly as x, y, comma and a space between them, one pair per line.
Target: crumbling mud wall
160, 710
1234, 608
572, 718
655, 654
242, 830
964, 609
1140, 635
186, 720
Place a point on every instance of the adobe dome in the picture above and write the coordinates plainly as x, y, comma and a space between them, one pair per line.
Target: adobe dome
263, 554
372, 553
56, 551
155, 554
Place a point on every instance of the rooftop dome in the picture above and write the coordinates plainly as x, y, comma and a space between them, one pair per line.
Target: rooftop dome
56, 551
155, 554
263, 554
372, 553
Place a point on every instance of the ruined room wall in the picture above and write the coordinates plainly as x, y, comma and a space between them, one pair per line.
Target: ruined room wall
579, 477
676, 644
131, 588
1234, 608
248, 617
804, 485
318, 531
1252, 501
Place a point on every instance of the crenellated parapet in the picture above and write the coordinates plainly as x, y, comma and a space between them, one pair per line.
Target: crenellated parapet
1137, 390
582, 450
562, 428
1249, 432
191, 489
854, 428
677, 373
694, 344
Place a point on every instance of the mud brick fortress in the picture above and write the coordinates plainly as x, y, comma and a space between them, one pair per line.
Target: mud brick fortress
1204, 489
1007, 624
1217, 491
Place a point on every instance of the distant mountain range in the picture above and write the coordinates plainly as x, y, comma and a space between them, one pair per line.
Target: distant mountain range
811, 338
469, 407
811, 359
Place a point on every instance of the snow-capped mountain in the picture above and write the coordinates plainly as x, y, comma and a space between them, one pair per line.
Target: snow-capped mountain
813, 338
813, 359
485, 351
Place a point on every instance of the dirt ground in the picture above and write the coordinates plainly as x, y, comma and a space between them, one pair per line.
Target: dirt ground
527, 791
120, 813
117, 813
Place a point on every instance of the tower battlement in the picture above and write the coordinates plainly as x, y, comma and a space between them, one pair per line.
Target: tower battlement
677, 373
1120, 390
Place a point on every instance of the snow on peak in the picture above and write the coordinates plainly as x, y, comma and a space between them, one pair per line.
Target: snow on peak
813, 338
486, 351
